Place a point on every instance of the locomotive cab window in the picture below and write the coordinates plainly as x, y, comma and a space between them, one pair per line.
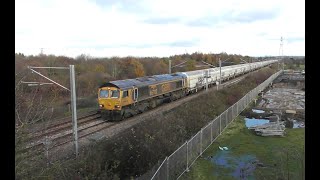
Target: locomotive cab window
115, 93
125, 94
104, 94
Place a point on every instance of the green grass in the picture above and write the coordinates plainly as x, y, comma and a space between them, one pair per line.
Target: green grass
268, 150
295, 67
302, 67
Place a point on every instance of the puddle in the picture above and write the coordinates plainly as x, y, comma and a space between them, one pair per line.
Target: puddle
238, 167
257, 111
254, 122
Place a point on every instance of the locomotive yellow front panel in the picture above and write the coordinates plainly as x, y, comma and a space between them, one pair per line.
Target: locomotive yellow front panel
109, 98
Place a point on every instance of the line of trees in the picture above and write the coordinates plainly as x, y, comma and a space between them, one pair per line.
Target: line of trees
91, 72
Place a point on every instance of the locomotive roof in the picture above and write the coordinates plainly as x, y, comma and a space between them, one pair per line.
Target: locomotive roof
143, 81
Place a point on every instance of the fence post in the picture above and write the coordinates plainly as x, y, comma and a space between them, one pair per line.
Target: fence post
201, 142
162, 164
252, 93
243, 103
168, 168
246, 100
232, 115
220, 124
226, 112
247, 97
187, 169
211, 132
238, 108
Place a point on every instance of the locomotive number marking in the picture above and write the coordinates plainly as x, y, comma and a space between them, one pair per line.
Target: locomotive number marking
165, 87
153, 90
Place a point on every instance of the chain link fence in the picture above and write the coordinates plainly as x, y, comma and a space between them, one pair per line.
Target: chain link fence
183, 158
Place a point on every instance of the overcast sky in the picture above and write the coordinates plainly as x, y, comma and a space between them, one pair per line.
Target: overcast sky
105, 28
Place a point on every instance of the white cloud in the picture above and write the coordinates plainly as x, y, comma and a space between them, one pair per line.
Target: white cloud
73, 27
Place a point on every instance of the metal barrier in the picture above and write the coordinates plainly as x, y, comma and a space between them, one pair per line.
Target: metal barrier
183, 158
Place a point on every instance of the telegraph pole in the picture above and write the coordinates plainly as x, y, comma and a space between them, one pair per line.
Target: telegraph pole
281, 48
169, 66
74, 108
220, 70
281, 51
114, 68
207, 74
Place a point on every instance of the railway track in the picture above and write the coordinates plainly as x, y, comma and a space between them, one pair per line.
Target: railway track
64, 125
61, 133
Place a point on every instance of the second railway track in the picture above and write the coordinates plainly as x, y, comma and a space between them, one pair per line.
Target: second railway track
54, 129
61, 133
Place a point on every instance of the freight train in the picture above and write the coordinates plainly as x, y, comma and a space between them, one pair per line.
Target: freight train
125, 98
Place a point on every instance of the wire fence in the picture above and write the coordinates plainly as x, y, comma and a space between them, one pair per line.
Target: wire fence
183, 158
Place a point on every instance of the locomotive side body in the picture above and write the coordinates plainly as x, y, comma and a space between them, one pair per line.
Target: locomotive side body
137, 95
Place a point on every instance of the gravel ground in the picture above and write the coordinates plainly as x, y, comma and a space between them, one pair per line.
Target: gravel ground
283, 98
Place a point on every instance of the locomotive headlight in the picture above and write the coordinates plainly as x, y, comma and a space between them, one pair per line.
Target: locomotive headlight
117, 106
101, 105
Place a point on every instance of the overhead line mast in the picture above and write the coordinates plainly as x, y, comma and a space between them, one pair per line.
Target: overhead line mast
281, 51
